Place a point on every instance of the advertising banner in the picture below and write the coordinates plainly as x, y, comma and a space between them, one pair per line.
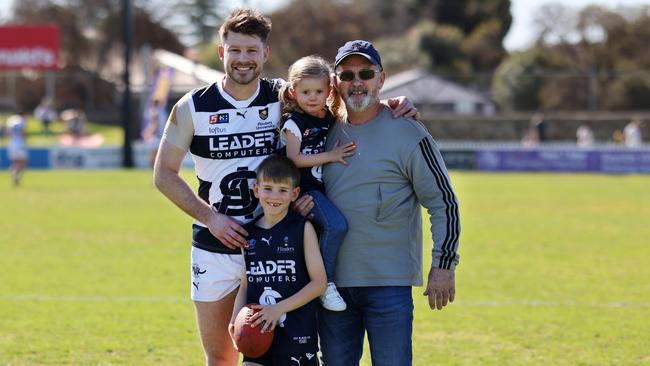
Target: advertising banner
564, 160
32, 47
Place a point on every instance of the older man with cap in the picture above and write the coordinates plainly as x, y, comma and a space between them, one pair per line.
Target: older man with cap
396, 168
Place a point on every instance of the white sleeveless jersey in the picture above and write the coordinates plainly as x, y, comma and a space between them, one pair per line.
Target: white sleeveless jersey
231, 138
16, 129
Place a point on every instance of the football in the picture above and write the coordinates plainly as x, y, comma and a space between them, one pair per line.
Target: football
251, 342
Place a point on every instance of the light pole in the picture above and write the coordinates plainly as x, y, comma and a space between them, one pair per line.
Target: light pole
127, 150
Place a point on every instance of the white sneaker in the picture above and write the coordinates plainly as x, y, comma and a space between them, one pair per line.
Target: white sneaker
331, 299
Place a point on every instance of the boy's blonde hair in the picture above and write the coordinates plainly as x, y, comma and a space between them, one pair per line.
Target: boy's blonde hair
309, 67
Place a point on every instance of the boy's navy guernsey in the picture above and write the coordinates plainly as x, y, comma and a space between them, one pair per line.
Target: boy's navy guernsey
230, 139
312, 132
276, 270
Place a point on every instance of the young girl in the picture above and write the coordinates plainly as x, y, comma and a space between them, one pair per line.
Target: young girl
308, 119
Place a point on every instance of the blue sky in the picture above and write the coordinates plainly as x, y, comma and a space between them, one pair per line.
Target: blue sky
522, 30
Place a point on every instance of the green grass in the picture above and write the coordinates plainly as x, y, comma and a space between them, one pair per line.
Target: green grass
36, 137
554, 271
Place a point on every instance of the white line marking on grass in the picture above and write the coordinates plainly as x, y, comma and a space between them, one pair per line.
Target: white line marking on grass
93, 298
543, 304
463, 303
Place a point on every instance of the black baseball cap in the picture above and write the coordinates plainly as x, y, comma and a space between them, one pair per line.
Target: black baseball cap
358, 47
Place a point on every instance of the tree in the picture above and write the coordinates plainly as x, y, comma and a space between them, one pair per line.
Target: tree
517, 81
593, 58
468, 33
91, 45
91, 30
199, 19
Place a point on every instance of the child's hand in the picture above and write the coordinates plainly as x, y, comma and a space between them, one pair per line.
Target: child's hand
267, 317
338, 153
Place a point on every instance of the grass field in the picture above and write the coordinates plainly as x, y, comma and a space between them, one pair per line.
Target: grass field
555, 270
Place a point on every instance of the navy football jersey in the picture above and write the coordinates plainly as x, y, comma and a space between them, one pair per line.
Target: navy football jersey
312, 132
276, 270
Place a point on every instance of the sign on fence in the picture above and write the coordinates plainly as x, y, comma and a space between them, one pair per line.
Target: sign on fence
33, 47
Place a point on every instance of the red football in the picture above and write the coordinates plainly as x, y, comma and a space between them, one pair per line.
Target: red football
252, 342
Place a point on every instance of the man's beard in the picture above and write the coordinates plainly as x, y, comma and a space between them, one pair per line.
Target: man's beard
244, 80
362, 105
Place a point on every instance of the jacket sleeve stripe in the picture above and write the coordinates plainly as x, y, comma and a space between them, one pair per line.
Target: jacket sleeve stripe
450, 243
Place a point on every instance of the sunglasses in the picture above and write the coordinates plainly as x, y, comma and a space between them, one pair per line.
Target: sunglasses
365, 74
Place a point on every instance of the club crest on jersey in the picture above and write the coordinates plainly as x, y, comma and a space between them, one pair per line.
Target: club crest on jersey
264, 113
219, 118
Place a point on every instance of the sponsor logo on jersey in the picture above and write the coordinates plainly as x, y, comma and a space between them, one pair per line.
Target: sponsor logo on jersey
310, 131
265, 125
285, 248
218, 118
242, 145
271, 267
264, 113
213, 130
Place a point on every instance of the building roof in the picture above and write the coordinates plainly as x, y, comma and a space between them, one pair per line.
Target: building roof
422, 87
187, 73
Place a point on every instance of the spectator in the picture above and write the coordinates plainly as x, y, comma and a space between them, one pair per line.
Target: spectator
538, 123
46, 114
618, 138
585, 135
75, 122
632, 133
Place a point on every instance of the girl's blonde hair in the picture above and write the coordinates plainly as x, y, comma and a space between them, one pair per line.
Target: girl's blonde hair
309, 67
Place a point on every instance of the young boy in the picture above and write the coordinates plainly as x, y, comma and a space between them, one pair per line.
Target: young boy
283, 269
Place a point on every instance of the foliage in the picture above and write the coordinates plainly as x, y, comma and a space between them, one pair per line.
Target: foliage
631, 91
594, 58
306, 27
91, 45
91, 31
200, 19
208, 55
441, 43
517, 81
458, 36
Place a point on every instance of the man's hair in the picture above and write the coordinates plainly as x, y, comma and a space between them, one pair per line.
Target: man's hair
246, 21
278, 168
